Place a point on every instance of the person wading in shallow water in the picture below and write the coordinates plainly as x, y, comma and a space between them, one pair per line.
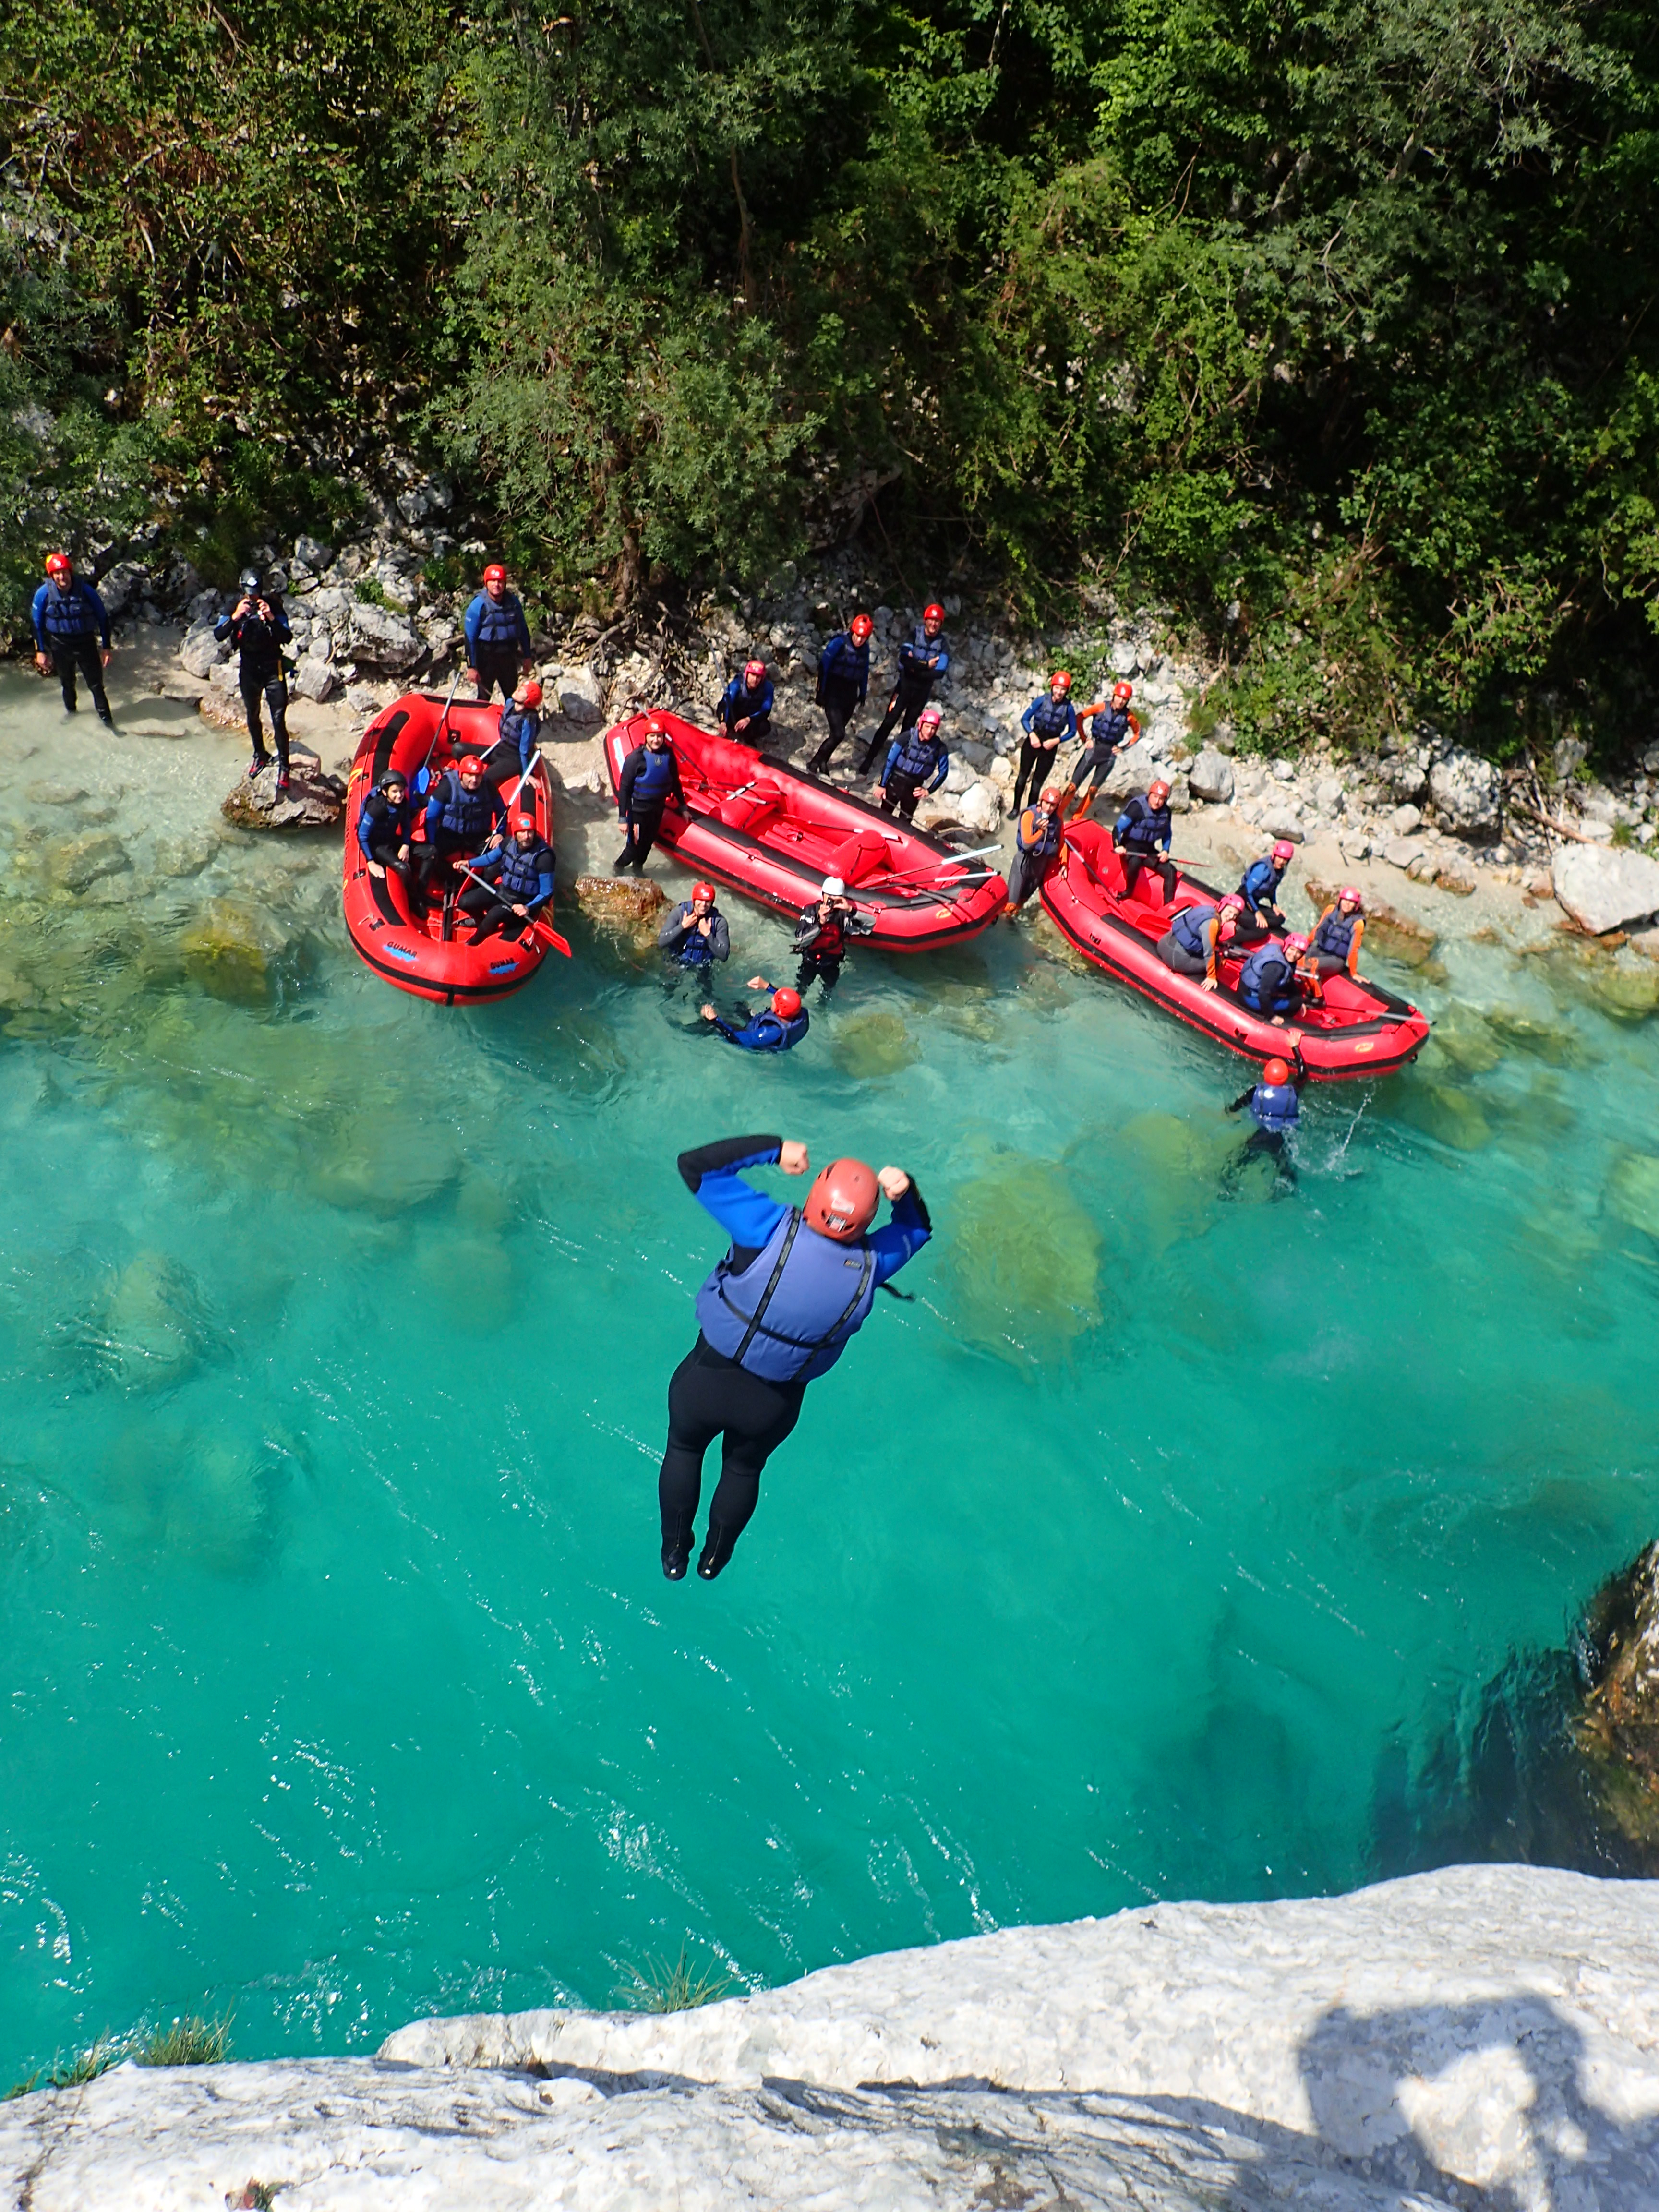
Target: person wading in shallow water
780, 1309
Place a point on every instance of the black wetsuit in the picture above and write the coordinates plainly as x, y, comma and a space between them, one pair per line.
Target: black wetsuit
260, 644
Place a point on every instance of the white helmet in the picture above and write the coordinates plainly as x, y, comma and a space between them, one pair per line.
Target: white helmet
834, 888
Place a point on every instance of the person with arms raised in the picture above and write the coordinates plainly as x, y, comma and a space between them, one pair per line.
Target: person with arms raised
843, 685
258, 630
497, 636
1275, 1105
695, 934
71, 635
822, 935
778, 1312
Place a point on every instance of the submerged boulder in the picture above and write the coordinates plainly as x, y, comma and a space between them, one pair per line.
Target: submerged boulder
1633, 1192
226, 950
1023, 1261
875, 1043
79, 862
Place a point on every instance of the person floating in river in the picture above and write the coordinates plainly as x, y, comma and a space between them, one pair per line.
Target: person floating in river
843, 685
71, 635
917, 762
1338, 934
1196, 938
1109, 726
650, 778
923, 659
696, 934
1258, 890
1036, 841
517, 882
498, 648
258, 630
1142, 840
1275, 1105
777, 1312
1049, 723
745, 708
464, 818
385, 827
778, 1027
822, 933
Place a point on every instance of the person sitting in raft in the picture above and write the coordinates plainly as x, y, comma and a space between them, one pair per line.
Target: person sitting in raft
1259, 891
1275, 1105
1143, 827
1197, 936
386, 826
514, 748
1111, 727
916, 760
1270, 981
745, 708
779, 1027
464, 818
1049, 723
1037, 841
822, 933
778, 1311
650, 778
695, 933
1338, 934
518, 883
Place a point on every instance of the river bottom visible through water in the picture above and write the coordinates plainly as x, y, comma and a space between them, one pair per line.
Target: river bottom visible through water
1158, 1549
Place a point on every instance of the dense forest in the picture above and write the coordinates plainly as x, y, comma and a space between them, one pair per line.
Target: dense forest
1328, 325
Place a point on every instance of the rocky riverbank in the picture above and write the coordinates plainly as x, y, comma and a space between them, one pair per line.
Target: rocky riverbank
1477, 2036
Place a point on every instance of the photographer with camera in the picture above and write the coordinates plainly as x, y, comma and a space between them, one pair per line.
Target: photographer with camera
258, 630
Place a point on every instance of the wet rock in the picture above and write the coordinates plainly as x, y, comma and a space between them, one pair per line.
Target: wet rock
1553, 1043
1629, 995
1605, 889
1448, 1113
80, 862
313, 799
55, 794
1467, 1042
1466, 792
1633, 1192
382, 639
1618, 1730
153, 1327
874, 1045
227, 951
382, 1164
580, 696
620, 898
222, 709
1210, 777
1023, 1262
186, 855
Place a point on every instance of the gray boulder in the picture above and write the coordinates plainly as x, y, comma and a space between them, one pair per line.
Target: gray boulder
1604, 888
380, 639
1467, 793
580, 696
313, 800
200, 654
314, 679
1133, 770
1210, 777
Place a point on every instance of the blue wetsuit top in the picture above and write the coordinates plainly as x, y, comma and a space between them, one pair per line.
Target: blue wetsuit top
766, 1031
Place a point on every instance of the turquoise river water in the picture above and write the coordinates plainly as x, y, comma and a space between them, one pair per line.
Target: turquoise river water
1147, 1554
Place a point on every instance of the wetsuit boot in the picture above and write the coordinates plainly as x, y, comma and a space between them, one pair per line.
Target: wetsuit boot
718, 1548
676, 1551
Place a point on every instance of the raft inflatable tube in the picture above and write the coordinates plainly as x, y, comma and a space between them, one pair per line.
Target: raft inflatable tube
774, 833
1360, 1030
432, 958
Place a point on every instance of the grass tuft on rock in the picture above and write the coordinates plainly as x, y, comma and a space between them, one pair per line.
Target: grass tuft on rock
190, 2041
72, 2073
654, 1985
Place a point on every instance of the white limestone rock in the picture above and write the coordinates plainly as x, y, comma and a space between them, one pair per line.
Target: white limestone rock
580, 696
1605, 889
1210, 777
201, 654
1467, 793
314, 679
380, 639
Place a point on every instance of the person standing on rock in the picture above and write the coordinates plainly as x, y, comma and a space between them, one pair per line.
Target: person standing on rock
1259, 892
1049, 722
497, 636
843, 685
71, 635
780, 1309
923, 659
822, 933
917, 762
1036, 842
650, 778
745, 708
1109, 728
696, 934
258, 630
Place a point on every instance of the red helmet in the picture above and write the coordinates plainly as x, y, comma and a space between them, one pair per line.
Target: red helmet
494, 573
1348, 892
471, 765
59, 564
1061, 679
842, 1202
1276, 1070
754, 671
935, 614
702, 891
786, 1004
930, 717
860, 626
1122, 693
1158, 791
654, 726
1296, 943
532, 692
1284, 850
524, 826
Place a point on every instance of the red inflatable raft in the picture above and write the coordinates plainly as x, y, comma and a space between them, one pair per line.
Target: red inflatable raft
1360, 1029
775, 832
432, 958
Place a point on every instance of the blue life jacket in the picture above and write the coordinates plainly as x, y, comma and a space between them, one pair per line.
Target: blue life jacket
520, 727
738, 699
789, 1315
843, 662
1049, 717
1190, 929
1261, 882
1109, 728
378, 822
1275, 1106
1042, 845
519, 878
653, 781
502, 622
1141, 827
469, 814
1334, 936
767, 1032
915, 652
1268, 983
61, 615
918, 755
